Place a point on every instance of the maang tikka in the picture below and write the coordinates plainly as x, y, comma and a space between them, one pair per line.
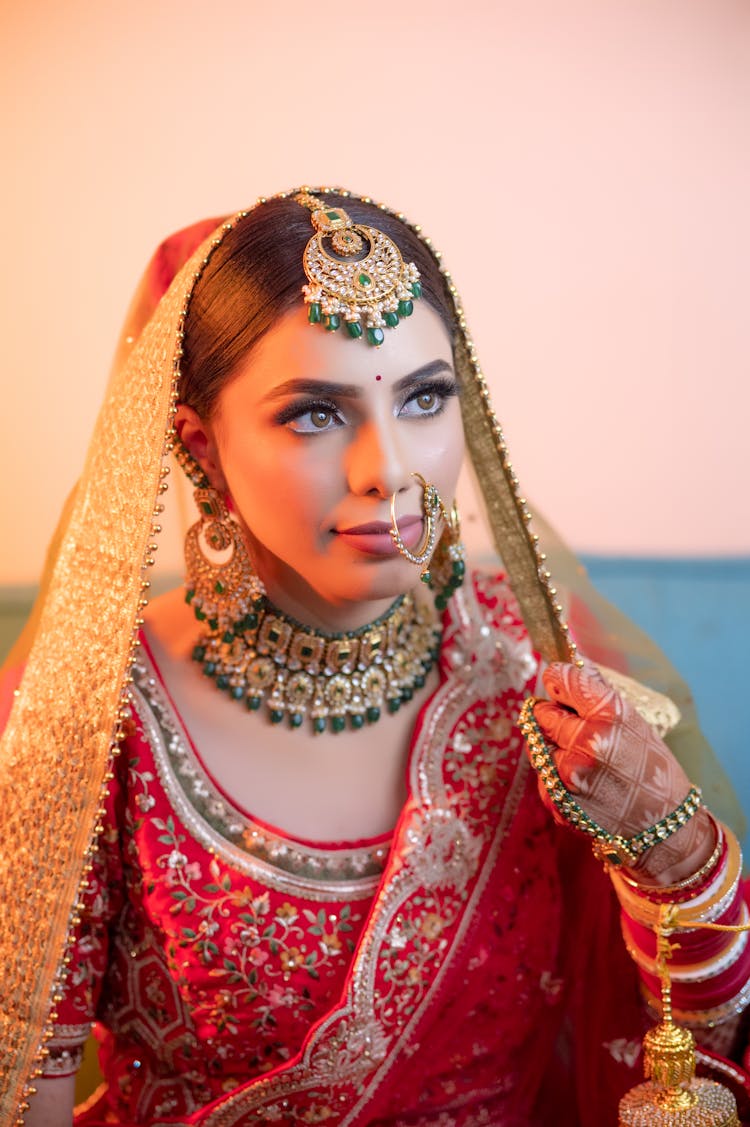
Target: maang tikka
355, 273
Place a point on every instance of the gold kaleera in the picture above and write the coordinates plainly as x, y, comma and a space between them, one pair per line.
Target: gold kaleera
672, 1094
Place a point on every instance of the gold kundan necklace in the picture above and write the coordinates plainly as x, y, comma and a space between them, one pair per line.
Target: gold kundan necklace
296, 672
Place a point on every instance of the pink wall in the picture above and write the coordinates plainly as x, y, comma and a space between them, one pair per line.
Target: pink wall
585, 168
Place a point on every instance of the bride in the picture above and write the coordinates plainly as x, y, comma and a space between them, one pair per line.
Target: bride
277, 833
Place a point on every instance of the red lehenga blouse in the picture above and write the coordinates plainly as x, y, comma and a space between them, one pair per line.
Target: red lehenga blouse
468, 971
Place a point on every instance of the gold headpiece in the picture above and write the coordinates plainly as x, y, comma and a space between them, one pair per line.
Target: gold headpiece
355, 272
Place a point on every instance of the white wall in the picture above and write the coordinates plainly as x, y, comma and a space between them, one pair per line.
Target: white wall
584, 166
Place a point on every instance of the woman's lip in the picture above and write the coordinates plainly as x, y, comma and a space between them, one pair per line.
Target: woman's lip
375, 527
374, 538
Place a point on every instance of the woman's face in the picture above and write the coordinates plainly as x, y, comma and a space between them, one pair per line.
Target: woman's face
310, 439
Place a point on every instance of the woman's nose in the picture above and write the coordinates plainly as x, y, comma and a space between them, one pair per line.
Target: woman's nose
377, 463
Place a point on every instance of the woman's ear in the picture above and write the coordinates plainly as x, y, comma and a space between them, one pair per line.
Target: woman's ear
199, 439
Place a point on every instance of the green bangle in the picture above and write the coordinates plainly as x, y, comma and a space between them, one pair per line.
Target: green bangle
611, 849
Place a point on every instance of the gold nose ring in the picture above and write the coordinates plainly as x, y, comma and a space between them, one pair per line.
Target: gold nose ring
432, 508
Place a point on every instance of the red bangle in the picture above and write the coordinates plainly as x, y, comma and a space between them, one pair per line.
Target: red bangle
706, 995
695, 945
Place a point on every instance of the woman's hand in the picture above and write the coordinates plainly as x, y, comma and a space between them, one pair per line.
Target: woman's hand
622, 774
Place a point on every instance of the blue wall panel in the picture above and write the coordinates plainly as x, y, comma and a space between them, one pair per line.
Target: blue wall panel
699, 613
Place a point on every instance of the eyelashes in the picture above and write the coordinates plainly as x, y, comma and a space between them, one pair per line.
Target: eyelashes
315, 416
441, 388
298, 409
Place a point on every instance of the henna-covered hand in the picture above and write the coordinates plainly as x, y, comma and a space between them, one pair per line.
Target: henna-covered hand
622, 774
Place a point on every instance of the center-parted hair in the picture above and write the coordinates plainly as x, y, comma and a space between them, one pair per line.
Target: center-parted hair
256, 276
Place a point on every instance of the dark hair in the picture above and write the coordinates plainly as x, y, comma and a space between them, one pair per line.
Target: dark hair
256, 275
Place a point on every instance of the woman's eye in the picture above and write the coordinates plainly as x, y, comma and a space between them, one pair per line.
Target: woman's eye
430, 401
314, 420
320, 418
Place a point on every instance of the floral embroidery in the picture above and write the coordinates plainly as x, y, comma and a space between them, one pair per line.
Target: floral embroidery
253, 946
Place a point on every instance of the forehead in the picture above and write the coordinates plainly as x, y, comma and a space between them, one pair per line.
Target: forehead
293, 348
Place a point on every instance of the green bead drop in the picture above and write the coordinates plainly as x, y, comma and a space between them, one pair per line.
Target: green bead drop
373, 714
319, 724
222, 682
416, 289
237, 692
357, 721
394, 703
332, 322
405, 308
314, 313
391, 319
375, 336
354, 329
253, 703
199, 652
275, 716
295, 720
337, 723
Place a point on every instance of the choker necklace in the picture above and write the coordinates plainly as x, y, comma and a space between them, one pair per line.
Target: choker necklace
297, 672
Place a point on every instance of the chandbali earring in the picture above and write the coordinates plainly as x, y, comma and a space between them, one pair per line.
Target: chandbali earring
221, 586
443, 562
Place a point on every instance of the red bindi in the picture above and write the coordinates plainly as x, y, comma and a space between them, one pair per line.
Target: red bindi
378, 377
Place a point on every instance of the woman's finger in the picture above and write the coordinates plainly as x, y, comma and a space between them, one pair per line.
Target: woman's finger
573, 765
584, 690
563, 728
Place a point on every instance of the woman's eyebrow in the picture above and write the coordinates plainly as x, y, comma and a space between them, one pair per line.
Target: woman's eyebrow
328, 388
426, 372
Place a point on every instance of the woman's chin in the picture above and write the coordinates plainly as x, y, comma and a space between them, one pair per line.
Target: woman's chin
387, 580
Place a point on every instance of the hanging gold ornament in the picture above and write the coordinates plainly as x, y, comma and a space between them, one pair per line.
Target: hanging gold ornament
672, 1095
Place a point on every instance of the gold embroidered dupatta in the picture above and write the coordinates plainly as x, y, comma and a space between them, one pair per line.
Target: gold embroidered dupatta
55, 755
